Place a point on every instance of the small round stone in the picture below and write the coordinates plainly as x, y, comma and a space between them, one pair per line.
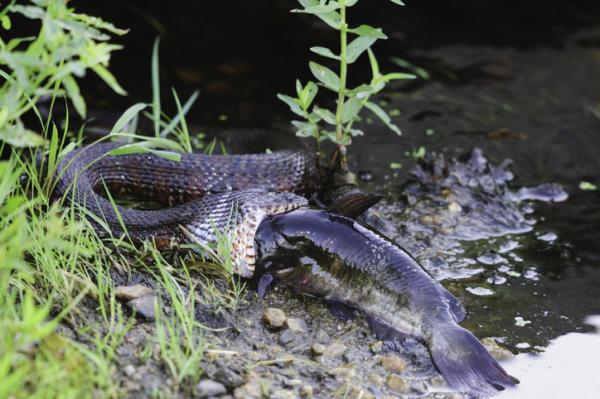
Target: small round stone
209, 389
307, 391
376, 347
129, 292
317, 349
144, 306
297, 325
274, 317
393, 363
397, 383
287, 337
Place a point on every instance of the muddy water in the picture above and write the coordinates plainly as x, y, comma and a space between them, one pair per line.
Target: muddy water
515, 86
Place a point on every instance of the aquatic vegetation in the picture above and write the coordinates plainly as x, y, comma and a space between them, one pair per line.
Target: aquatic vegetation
338, 125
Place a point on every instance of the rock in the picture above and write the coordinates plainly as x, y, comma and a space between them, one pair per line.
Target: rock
250, 390
228, 377
335, 349
129, 292
317, 349
287, 337
341, 371
349, 390
497, 352
376, 347
393, 363
454, 207
322, 337
274, 318
306, 391
209, 388
376, 379
144, 306
296, 325
129, 370
397, 383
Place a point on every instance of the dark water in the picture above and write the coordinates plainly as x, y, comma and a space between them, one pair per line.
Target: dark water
520, 80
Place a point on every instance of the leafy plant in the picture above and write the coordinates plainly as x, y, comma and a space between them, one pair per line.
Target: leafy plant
66, 47
338, 125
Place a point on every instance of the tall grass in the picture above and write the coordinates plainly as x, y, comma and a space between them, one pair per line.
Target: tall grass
55, 271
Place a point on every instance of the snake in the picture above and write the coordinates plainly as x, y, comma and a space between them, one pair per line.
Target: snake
204, 197
258, 203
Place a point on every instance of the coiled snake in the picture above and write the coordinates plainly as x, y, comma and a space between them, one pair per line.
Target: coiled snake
205, 195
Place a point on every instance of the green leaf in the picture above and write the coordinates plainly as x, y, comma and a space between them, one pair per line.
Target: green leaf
74, 94
108, 78
351, 108
394, 76
18, 136
361, 91
399, 2
586, 185
358, 46
366, 30
374, 64
307, 95
142, 148
6, 24
350, 3
156, 108
381, 114
305, 129
325, 114
325, 52
127, 116
331, 18
325, 76
292, 103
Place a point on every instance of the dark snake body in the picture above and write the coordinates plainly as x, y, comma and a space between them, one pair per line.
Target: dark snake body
206, 195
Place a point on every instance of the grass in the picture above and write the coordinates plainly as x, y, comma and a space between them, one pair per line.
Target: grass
61, 325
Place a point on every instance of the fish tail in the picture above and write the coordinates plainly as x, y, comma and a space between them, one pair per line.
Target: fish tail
465, 363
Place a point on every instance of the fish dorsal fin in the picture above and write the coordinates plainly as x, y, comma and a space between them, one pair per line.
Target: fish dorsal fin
354, 203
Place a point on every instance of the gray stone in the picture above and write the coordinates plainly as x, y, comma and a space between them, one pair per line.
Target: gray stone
317, 349
210, 388
129, 292
297, 325
376, 347
287, 337
307, 391
144, 306
274, 317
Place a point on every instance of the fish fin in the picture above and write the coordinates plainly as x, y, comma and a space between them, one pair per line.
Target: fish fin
354, 203
385, 332
264, 283
341, 310
465, 364
457, 308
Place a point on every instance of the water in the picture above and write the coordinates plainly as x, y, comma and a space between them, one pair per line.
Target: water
518, 81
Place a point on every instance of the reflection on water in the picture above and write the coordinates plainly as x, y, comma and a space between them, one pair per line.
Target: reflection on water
567, 369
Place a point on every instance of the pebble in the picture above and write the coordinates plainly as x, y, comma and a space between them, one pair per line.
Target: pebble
307, 391
348, 390
497, 352
287, 337
397, 383
144, 306
209, 389
274, 317
129, 370
129, 292
335, 349
454, 207
341, 370
393, 363
322, 337
297, 325
376, 379
317, 349
376, 347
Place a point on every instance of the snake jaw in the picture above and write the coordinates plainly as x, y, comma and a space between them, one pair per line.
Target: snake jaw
246, 210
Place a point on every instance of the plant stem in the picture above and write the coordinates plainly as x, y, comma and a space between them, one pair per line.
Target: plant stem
339, 127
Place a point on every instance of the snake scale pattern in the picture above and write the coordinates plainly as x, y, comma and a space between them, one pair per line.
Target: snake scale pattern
205, 196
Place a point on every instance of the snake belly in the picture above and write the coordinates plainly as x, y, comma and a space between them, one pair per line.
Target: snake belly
206, 196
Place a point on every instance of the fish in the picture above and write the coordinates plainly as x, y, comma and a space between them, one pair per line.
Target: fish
355, 269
